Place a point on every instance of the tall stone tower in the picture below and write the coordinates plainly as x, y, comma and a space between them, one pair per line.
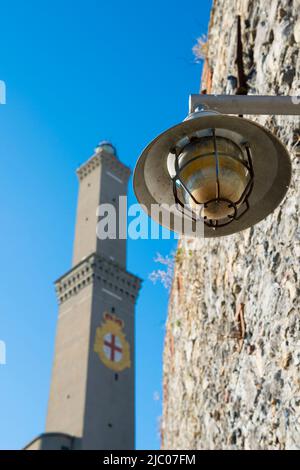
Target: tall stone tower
91, 403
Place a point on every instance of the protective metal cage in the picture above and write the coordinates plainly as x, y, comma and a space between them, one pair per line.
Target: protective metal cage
237, 207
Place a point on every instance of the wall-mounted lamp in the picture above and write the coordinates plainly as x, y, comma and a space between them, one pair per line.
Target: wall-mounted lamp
222, 171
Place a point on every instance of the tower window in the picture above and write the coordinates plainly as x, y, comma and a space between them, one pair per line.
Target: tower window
113, 309
116, 377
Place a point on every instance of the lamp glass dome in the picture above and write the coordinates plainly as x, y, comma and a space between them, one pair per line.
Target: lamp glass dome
212, 178
107, 146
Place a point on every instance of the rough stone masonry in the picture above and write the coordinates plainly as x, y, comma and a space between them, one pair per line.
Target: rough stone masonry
232, 346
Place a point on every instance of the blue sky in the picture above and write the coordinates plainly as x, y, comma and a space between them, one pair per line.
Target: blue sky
76, 73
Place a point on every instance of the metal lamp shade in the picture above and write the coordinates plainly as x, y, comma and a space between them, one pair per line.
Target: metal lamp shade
233, 170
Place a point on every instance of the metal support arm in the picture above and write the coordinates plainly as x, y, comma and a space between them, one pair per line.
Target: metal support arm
250, 104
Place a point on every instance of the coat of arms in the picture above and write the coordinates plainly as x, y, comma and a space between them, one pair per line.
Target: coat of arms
111, 345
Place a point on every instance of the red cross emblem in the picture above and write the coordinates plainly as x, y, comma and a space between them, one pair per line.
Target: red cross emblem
112, 347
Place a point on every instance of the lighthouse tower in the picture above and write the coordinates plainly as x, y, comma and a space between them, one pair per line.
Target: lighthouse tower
91, 404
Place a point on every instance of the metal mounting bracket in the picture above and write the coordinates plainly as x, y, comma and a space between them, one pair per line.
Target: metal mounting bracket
246, 104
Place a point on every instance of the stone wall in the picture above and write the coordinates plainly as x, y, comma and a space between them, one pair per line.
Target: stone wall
232, 346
